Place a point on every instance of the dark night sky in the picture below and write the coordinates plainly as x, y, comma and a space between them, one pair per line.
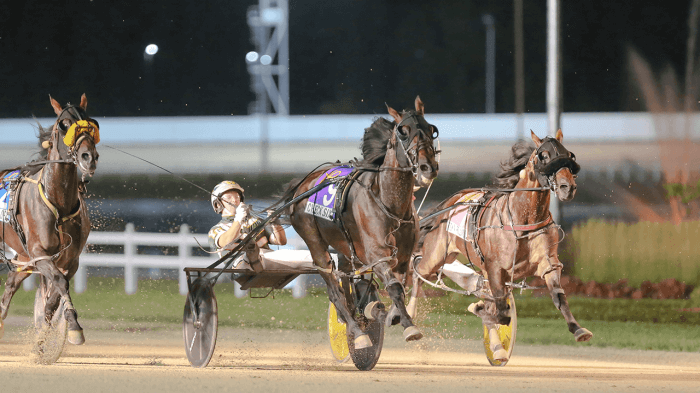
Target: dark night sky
346, 56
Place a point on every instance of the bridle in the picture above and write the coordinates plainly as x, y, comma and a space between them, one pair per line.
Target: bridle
82, 128
558, 158
410, 148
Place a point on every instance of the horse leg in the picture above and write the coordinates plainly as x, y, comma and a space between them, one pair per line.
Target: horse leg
412, 307
486, 310
14, 279
398, 308
499, 291
559, 299
324, 263
60, 284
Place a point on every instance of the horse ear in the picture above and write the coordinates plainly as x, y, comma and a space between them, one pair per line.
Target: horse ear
56, 106
535, 139
393, 113
83, 102
420, 108
560, 136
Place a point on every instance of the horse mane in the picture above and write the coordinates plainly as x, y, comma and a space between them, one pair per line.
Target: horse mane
510, 169
43, 135
374, 141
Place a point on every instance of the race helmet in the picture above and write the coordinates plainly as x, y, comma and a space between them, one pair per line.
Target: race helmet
222, 187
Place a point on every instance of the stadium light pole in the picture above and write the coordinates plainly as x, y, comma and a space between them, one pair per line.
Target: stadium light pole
269, 71
553, 84
488, 21
148, 55
519, 69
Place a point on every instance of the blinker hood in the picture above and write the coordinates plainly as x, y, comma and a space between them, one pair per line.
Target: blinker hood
560, 158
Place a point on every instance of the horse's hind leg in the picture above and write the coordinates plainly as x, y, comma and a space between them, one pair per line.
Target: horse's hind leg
14, 279
324, 263
559, 299
397, 295
60, 284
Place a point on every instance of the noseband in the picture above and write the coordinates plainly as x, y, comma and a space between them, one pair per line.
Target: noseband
411, 151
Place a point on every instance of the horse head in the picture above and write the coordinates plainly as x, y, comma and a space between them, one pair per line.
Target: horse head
416, 136
554, 166
74, 137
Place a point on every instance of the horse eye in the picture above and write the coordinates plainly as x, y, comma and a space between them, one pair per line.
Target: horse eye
435, 131
573, 156
404, 130
65, 124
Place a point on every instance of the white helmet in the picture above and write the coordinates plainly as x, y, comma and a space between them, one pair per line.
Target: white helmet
222, 187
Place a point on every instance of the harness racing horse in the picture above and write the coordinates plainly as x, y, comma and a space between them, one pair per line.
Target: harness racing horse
49, 225
512, 236
377, 226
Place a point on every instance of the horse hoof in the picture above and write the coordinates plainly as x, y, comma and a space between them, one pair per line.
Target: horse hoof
412, 333
475, 308
582, 335
76, 337
362, 341
501, 355
369, 309
393, 317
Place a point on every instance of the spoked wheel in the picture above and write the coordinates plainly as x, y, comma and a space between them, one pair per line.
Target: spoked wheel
338, 335
506, 334
342, 343
50, 338
200, 323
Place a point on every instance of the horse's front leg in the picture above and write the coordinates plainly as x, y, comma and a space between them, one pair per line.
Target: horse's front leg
60, 284
499, 291
559, 298
14, 279
398, 307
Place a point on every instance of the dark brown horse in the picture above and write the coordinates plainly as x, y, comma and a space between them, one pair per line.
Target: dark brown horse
515, 235
50, 224
378, 227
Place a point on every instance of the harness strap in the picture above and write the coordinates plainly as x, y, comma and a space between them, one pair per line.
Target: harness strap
48, 203
529, 227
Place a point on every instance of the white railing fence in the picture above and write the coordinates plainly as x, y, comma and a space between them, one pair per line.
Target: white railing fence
131, 260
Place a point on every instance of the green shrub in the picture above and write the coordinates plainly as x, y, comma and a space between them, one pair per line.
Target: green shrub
644, 251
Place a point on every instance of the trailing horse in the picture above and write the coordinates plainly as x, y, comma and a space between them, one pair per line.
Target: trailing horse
369, 217
508, 233
45, 219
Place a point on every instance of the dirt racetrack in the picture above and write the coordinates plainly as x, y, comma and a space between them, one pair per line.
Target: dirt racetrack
128, 357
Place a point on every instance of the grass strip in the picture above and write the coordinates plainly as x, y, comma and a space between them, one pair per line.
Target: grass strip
620, 323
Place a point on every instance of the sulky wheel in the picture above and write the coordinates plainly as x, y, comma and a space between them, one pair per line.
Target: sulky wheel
200, 323
50, 338
506, 334
337, 335
342, 346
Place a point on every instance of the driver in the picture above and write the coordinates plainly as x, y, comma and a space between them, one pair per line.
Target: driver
237, 222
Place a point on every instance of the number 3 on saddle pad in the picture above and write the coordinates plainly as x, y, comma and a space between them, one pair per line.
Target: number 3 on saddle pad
506, 335
322, 203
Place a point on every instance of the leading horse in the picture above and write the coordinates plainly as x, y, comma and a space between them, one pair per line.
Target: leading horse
49, 225
511, 234
377, 228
